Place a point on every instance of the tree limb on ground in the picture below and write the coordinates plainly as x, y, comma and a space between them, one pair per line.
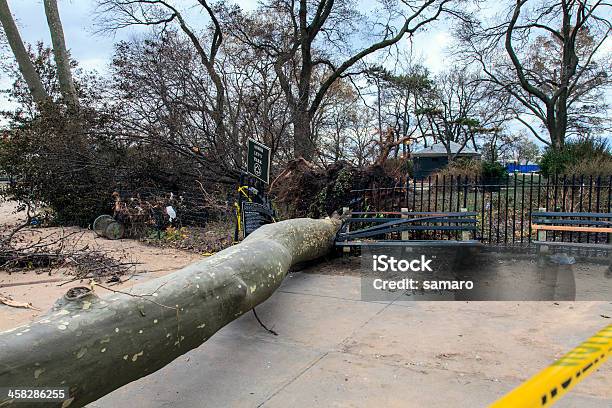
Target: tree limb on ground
95, 345
6, 300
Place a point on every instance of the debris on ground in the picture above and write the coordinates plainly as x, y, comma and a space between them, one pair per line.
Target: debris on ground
205, 241
8, 301
24, 247
562, 259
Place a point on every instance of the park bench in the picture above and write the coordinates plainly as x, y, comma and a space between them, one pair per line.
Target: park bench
572, 223
379, 225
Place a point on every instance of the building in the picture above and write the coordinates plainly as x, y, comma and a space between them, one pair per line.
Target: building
435, 157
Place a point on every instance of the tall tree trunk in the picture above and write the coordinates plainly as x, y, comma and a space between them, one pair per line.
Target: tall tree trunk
557, 138
21, 55
303, 145
556, 130
62, 61
95, 345
560, 121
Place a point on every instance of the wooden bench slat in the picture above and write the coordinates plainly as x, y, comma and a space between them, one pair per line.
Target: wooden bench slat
540, 227
571, 214
570, 222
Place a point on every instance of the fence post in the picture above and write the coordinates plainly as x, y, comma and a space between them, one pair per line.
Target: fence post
346, 211
405, 234
542, 236
465, 235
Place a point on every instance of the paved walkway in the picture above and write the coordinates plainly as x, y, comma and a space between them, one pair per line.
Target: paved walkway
334, 350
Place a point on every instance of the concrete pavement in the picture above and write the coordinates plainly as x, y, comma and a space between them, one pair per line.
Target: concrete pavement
334, 350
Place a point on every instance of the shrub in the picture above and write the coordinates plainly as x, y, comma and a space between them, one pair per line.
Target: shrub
53, 160
598, 166
493, 171
71, 164
488, 171
461, 167
585, 157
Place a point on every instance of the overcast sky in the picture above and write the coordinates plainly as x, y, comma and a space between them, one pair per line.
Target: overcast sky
94, 51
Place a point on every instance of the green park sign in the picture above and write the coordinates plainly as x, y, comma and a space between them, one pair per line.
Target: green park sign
258, 161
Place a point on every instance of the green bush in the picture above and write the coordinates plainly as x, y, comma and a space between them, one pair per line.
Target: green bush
585, 157
54, 162
493, 171
68, 163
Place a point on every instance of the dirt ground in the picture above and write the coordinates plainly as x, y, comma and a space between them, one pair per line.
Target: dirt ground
42, 289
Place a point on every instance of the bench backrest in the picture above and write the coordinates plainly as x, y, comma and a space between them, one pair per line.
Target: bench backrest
411, 221
569, 219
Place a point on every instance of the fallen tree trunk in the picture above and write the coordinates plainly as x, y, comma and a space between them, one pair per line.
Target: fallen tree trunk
95, 345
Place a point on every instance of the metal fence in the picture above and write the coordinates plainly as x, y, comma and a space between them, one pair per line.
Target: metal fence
504, 207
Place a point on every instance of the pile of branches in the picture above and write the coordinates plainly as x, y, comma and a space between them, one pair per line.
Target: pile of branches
303, 189
139, 214
60, 249
154, 209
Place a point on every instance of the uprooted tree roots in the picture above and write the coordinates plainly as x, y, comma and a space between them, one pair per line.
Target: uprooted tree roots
303, 189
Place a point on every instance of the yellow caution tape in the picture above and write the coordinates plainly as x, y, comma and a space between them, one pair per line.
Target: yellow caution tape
547, 386
238, 220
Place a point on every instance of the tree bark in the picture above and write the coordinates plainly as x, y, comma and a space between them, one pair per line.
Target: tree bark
26, 67
303, 145
62, 61
95, 345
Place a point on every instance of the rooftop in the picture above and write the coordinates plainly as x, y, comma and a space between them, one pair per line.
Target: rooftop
439, 149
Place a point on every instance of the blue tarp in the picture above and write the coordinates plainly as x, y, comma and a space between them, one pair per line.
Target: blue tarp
522, 168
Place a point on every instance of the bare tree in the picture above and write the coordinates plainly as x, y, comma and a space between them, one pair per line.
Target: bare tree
459, 108
289, 32
117, 14
398, 96
525, 150
337, 113
26, 67
62, 59
360, 149
165, 99
546, 56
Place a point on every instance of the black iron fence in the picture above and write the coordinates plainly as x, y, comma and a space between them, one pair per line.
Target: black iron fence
504, 207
